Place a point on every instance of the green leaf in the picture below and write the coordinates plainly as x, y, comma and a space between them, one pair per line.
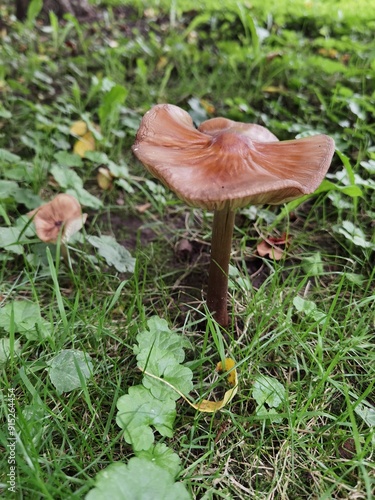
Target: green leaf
97, 157
85, 198
353, 234
138, 410
352, 191
8, 157
159, 335
6, 351
313, 265
140, 479
309, 308
111, 103
102, 159
270, 415
367, 413
346, 162
35, 6
66, 159
180, 377
68, 368
5, 113
9, 239
24, 317
163, 456
268, 390
302, 305
8, 189
115, 254
27, 198
160, 352
66, 178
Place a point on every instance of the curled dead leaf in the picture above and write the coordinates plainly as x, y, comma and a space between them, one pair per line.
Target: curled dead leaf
273, 247
142, 208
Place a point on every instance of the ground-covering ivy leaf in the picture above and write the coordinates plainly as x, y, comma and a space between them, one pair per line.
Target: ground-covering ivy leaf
163, 456
354, 234
160, 352
139, 479
7, 189
8, 157
303, 305
5, 350
9, 239
67, 369
309, 308
23, 316
115, 254
357, 279
206, 405
138, 410
5, 113
313, 264
163, 337
27, 198
268, 391
84, 197
367, 413
102, 159
125, 185
65, 177
66, 159
175, 379
36, 419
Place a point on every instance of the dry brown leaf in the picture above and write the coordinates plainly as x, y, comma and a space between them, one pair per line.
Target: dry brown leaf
273, 247
142, 208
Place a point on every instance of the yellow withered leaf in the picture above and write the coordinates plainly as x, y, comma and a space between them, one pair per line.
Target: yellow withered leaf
205, 405
85, 143
104, 178
78, 128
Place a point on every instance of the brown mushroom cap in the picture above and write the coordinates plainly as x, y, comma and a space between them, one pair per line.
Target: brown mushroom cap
226, 163
62, 214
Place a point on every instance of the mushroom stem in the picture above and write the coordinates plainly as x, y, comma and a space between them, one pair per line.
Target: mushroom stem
222, 231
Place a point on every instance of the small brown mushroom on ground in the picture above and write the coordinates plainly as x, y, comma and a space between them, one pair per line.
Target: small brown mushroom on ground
224, 165
62, 215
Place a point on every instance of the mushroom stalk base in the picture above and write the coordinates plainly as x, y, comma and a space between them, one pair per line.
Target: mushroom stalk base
222, 231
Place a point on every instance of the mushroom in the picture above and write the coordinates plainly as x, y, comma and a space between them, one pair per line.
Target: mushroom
224, 165
62, 215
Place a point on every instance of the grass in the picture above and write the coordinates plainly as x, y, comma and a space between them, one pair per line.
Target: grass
306, 322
